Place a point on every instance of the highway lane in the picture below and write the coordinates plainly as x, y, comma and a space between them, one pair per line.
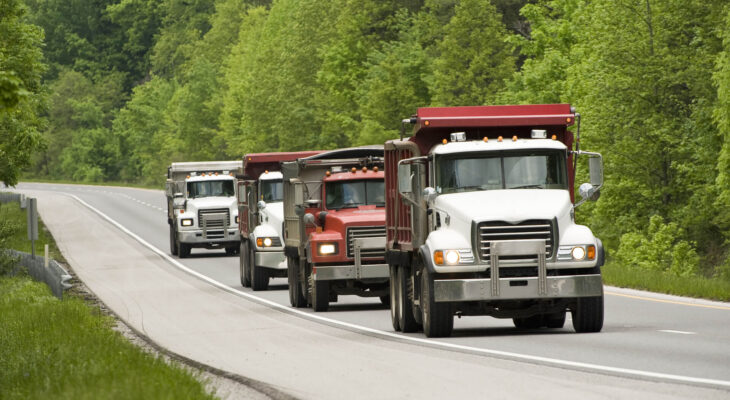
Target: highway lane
655, 335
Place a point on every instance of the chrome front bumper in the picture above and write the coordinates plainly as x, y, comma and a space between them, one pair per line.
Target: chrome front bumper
270, 259
517, 288
357, 272
198, 236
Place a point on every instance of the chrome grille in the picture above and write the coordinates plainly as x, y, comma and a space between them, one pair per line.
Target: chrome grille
527, 230
359, 232
214, 218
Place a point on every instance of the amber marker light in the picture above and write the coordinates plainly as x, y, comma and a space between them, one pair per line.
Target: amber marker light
259, 242
353, 170
364, 169
555, 137
486, 139
328, 173
569, 120
591, 252
499, 139
188, 176
514, 138
427, 123
444, 141
438, 257
375, 168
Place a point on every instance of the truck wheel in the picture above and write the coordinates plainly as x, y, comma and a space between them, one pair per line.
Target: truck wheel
259, 277
533, 322
184, 250
243, 265
295, 294
173, 241
394, 318
437, 318
588, 314
406, 319
230, 251
320, 295
385, 300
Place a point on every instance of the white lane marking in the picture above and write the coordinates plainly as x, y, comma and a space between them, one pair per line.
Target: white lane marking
678, 332
403, 338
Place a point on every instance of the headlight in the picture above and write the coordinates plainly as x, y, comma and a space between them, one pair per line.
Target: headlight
264, 242
325, 249
186, 222
578, 253
453, 257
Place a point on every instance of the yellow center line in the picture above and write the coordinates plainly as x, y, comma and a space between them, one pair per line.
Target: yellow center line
669, 301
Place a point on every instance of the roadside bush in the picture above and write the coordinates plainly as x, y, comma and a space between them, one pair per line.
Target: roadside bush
659, 249
7, 229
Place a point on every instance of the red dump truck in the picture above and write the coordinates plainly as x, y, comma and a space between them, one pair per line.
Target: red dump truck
261, 211
480, 220
334, 226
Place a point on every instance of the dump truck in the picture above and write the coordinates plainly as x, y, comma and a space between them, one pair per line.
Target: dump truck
334, 226
201, 206
481, 219
261, 212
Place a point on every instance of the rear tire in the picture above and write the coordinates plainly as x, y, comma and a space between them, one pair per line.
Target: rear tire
259, 275
296, 298
438, 321
243, 265
555, 320
231, 251
395, 300
320, 295
532, 322
588, 314
173, 241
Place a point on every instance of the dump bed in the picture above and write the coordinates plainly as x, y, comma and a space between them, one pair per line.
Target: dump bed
308, 173
431, 125
255, 164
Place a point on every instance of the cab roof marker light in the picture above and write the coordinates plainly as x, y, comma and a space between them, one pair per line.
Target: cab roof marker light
499, 139
444, 141
538, 134
328, 173
486, 139
375, 168
353, 170
364, 169
514, 138
555, 137
426, 123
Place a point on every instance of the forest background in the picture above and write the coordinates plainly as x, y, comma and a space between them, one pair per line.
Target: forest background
115, 90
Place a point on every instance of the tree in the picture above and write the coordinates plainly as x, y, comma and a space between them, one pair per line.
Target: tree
21, 92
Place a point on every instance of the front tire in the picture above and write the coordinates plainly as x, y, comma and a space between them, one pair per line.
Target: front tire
296, 298
320, 295
259, 275
394, 318
243, 265
173, 241
406, 319
588, 314
183, 249
438, 321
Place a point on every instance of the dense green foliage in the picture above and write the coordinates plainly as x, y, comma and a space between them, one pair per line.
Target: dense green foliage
67, 350
137, 84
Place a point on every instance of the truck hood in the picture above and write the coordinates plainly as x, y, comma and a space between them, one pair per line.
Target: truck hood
513, 205
204, 203
362, 216
273, 215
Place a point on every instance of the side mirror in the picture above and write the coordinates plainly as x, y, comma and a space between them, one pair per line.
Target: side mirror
298, 193
588, 192
429, 195
595, 168
241, 193
177, 195
178, 202
261, 205
404, 179
309, 219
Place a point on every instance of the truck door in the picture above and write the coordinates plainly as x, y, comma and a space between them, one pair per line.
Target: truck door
243, 210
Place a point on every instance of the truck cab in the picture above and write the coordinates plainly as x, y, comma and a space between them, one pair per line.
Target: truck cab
202, 210
491, 227
335, 227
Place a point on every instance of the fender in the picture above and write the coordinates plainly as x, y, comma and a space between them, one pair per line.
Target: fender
427, 263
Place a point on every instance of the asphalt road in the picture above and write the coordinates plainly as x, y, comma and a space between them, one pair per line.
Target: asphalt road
645, 337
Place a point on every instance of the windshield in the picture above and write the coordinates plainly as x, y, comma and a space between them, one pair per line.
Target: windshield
534, 170
350, 194
210, 189
272, 190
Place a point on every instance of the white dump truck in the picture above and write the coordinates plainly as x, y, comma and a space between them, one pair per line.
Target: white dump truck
201, 206
260, 205
480, 220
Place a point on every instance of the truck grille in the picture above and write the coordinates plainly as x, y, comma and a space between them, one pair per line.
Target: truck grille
527, 230
213, 222
359, 232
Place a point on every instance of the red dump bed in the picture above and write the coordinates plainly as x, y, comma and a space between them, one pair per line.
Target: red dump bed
255, 164
433, 124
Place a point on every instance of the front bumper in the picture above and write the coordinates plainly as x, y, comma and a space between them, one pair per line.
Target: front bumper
357, 272
270, 259
198, 236
451, 290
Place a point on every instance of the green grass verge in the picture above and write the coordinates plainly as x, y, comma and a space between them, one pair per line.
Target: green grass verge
615, 274
51, 349
15, 217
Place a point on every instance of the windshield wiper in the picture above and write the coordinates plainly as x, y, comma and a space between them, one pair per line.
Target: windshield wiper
528, 187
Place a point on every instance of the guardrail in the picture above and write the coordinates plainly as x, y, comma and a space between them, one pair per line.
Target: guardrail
51, 273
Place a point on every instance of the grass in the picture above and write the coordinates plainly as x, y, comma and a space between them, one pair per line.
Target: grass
12, 214
616, 274
52, 349
160, 186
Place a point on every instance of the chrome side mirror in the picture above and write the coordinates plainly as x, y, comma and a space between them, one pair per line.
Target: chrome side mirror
429, 195
261, 204
308, 219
